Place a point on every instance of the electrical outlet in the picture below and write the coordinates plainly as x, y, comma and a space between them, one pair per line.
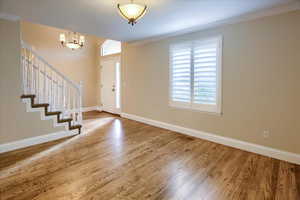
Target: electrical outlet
266, 133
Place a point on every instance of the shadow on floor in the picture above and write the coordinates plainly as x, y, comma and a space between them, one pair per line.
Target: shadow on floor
25, 153
22, 154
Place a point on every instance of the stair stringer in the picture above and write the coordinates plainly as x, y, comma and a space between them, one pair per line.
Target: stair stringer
44, 117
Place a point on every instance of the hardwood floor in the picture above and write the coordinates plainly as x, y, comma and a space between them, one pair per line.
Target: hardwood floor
117, 158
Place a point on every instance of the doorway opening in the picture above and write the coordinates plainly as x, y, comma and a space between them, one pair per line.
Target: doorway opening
111, 76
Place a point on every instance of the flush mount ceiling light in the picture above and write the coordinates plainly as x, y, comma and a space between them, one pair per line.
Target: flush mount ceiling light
72, 40
132, 11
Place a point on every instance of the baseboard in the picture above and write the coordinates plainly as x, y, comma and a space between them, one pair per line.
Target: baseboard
250, 147
92, 108
35, 140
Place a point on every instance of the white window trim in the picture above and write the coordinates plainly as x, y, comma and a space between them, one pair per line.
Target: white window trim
110, 54
214, 109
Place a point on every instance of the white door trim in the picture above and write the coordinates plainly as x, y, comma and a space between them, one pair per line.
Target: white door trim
116, 59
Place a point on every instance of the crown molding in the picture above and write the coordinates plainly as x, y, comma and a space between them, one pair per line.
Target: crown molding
9, 17
233, 20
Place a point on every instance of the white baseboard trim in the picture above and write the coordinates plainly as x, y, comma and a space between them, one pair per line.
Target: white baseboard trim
250, 147
35, 140
92, 108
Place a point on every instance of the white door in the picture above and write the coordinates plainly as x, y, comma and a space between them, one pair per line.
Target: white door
110, 85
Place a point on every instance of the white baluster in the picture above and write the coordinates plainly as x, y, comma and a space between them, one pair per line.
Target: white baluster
50, 90
35, 80
78, 106
54, 91
63, 96
70, 100
24, 71
28, 74
58, 94
80, 101
38, 82
74, 106
66, 99
44, 85
48, 85
34, 77
31, 77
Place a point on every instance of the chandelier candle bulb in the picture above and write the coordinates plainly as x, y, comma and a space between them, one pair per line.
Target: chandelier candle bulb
81, 39
62, 38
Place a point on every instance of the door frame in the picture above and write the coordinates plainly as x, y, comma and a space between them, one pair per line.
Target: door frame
116, 58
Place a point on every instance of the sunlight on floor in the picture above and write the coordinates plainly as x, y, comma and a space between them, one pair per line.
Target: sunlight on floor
94, 124
118, 133
116, 137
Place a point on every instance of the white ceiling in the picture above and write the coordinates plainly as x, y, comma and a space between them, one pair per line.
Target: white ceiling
100, 17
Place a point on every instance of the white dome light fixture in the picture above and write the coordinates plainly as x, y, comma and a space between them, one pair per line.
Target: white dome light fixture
132, 11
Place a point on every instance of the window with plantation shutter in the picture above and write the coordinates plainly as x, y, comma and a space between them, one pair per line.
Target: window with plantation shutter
195, 75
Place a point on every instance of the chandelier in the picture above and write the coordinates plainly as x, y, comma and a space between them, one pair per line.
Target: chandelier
132, 11
72, 40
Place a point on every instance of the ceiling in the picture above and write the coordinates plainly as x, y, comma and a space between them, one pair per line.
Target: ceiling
100, 17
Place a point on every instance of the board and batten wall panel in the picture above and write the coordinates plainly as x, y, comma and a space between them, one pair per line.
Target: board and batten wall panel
260, 86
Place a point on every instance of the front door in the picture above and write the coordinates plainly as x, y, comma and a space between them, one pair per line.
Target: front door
110, 85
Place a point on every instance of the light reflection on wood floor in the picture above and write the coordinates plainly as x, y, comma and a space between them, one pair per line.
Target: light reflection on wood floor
118, 159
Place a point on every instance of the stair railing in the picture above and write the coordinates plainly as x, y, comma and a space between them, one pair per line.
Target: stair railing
50, 86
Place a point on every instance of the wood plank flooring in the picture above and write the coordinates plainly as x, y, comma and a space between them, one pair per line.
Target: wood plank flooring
120, 159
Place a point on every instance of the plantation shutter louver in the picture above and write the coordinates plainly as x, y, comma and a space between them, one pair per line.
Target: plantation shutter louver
195, 75
181, 74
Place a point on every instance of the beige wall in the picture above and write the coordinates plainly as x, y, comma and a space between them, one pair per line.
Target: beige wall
79, 65
261, 82
15, 122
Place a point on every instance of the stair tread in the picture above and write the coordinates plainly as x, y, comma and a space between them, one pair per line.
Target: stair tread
53, 113
75, 126
27, 96
40, 105
65, 120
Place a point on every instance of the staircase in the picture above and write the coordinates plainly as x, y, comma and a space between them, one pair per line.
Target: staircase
46, 88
